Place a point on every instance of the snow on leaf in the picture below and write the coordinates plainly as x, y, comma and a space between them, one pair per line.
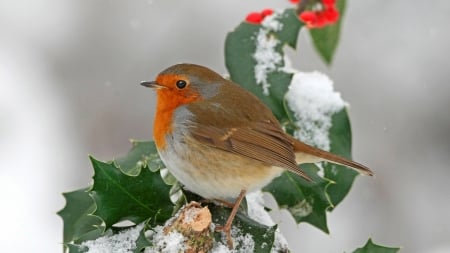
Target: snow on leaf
124, 242
267, 58
313, 101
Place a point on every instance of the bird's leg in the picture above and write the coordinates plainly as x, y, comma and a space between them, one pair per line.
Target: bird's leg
227, 227
225, 203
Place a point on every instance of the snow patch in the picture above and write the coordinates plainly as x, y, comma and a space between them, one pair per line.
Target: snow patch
166, 243
256, 211
122, 242
266, 57
313, 101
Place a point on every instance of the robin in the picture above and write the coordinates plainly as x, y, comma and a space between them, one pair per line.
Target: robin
220, 141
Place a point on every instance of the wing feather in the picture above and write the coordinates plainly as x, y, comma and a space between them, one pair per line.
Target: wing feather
267, 145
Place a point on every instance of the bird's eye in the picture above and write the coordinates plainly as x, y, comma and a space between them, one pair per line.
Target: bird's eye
181, 84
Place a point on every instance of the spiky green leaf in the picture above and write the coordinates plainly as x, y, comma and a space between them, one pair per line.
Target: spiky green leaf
79, 224
370, 247
121, 197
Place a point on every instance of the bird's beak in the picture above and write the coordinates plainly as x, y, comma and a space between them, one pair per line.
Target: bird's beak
151, 84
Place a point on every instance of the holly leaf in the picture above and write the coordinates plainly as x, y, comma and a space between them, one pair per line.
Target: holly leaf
79, 225
340, 136
326, 39
142, 154
142, 242
306, 201
263, 236
121, 197
291, 26
370, 247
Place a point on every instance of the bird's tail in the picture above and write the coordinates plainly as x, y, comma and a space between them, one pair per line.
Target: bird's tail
307, 154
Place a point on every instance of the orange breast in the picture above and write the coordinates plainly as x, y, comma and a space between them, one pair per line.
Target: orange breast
162, 127
168, 100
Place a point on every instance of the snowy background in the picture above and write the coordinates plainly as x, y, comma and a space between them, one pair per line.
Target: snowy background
69, 78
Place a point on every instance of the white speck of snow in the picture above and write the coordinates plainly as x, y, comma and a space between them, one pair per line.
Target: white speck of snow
267, 59
313, 101
122, 242
166, 243
242, 243
321, 172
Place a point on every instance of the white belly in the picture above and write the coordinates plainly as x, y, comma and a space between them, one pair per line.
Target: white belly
213, 173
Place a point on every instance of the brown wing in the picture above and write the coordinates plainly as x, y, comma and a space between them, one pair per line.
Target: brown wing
245, 126
262, 141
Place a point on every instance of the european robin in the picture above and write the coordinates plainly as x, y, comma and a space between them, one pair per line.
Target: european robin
220, 141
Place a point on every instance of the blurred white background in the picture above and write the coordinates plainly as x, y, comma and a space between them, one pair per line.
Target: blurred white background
69, 78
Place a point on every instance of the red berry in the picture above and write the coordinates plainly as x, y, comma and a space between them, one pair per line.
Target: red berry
321, 20
329, 3
331, 15
266, 12
294, 1
308, 17
254, 18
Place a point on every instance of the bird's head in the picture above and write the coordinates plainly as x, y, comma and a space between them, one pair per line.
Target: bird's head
183, 84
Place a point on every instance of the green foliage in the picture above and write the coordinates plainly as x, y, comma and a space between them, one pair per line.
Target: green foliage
79, 224
134, 198
370, 247
326, 39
